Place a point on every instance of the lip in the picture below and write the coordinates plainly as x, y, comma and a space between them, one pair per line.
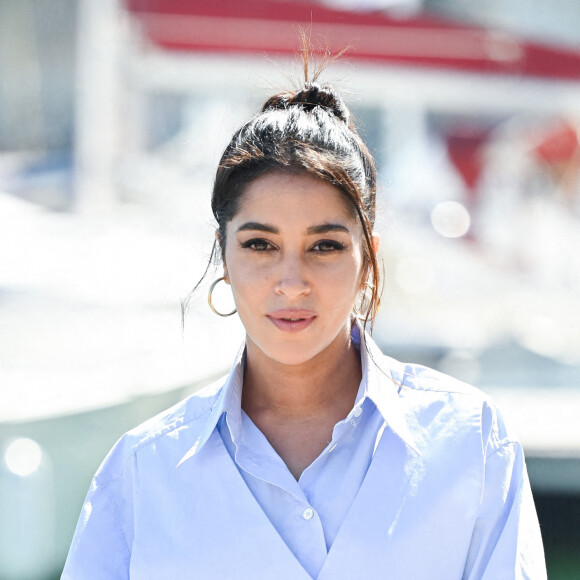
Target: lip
291, 320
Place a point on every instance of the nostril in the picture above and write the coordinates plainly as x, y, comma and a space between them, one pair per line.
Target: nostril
292, 288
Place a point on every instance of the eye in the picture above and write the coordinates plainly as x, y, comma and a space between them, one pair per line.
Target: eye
327, 246
257, 245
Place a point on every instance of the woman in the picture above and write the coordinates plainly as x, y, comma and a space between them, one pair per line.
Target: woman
317, 456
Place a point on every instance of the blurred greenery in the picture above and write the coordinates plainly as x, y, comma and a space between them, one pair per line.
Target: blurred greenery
563, 563
559, 517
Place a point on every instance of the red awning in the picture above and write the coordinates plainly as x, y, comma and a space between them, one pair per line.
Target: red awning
465, 146
270, 27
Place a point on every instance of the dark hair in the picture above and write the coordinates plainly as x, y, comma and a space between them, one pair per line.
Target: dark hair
308, 131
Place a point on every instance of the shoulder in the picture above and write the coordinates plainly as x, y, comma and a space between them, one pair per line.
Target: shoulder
438, 405
179, 426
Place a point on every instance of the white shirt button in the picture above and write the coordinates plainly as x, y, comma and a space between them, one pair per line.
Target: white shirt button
357, 412
332, 448
308, 513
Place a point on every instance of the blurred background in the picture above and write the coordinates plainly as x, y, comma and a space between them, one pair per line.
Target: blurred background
113, 115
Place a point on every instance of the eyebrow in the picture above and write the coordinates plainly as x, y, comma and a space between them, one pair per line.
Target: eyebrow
312, 230
256, 226
325, 228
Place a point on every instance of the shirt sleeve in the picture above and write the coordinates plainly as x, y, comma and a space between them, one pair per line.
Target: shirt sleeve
506, 542
99, 550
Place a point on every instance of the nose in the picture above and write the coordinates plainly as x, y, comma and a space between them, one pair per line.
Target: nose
292, 279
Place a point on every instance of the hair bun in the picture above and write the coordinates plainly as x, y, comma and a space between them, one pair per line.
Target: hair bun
311, 96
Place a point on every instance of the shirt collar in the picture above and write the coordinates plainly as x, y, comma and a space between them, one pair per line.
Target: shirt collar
229, 400
378, 384
382, 387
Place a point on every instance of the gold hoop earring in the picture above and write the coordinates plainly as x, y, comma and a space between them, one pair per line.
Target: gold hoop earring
209, 300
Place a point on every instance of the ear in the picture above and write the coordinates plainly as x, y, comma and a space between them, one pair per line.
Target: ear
376, 241
218, 239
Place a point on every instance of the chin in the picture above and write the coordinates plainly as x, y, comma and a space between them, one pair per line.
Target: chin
293, 352
295, 359
286, 354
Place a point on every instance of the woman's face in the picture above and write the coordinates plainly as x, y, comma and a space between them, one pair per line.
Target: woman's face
293, 257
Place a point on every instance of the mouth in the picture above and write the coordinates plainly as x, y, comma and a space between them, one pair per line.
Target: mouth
291, 320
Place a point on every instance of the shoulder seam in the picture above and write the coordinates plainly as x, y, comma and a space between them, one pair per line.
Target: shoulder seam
502, 445
145, 444
169, 430
403, 384
432, 390
114, 508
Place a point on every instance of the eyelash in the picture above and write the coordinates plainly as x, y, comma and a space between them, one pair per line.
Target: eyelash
334, 246
267, 246
254, 242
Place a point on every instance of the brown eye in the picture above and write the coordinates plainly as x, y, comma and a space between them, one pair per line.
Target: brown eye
326, 246
257, 244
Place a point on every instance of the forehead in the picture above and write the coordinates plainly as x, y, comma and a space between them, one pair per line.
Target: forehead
287, 197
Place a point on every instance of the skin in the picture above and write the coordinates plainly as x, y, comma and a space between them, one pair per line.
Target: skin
295, 244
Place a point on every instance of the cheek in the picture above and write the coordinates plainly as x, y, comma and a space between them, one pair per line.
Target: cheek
344, 282
359, 267
248, 283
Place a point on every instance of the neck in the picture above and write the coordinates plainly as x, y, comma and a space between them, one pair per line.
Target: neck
328, 382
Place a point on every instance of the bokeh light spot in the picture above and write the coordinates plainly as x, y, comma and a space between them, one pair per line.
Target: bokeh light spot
450, 219
23, 456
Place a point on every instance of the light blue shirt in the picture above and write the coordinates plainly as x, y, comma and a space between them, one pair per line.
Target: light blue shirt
421, 480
